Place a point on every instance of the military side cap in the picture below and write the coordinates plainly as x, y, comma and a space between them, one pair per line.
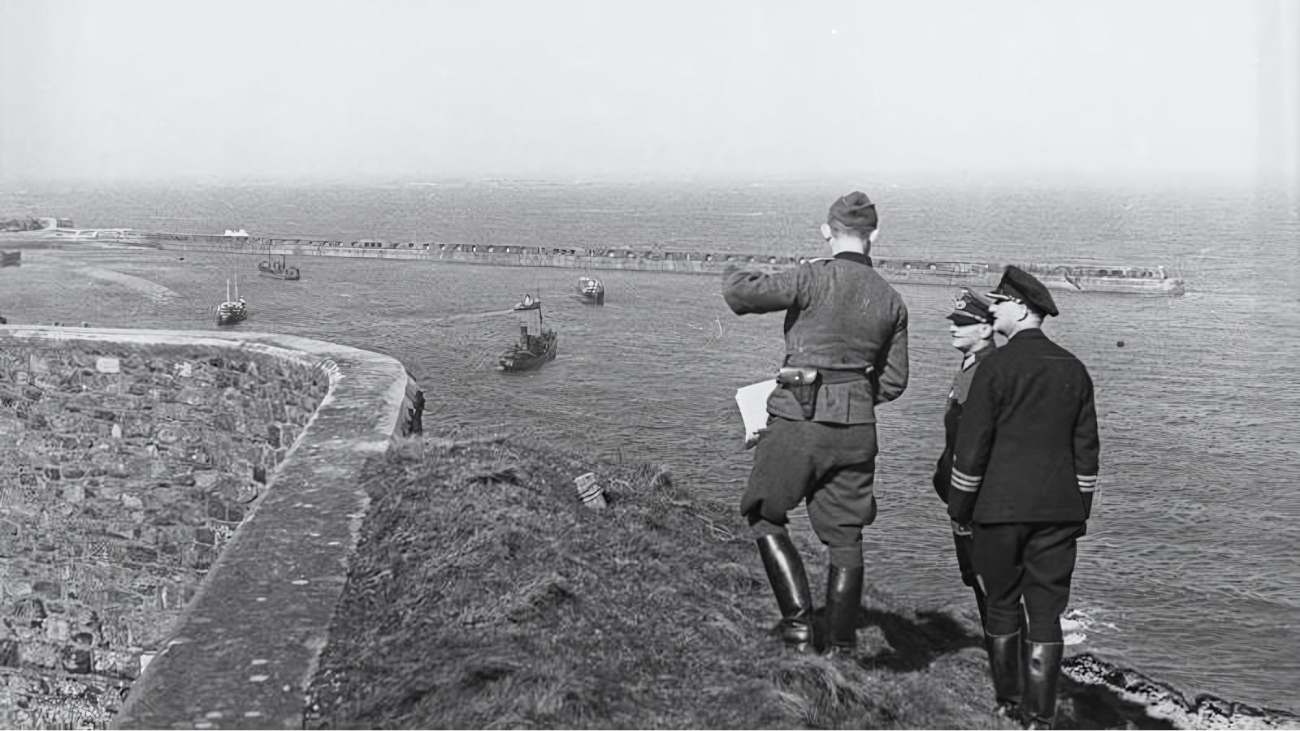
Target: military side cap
854, 211
969, 308
1018, 284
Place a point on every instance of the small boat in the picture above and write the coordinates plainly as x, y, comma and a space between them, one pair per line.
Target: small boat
11, 258
591, 290
529, 302
232, 310
530, 351
278, 269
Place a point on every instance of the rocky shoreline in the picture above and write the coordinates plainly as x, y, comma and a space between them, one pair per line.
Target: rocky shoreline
1128, 688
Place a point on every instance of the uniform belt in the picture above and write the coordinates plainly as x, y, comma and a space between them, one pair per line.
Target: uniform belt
842, 376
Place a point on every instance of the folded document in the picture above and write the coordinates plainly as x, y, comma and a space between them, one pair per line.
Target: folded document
752, 400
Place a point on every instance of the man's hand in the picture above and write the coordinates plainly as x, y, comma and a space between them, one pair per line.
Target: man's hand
961, 529
753, 440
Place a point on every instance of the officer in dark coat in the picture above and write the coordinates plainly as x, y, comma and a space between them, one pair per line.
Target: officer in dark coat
972, 334
1024, 472
845, 352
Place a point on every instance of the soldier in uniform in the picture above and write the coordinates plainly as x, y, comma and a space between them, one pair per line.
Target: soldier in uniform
972, 334
845, 352
1024, 471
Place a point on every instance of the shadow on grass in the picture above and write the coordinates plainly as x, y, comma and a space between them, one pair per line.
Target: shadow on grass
913, 644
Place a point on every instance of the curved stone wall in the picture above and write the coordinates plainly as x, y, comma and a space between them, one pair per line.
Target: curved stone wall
162, 492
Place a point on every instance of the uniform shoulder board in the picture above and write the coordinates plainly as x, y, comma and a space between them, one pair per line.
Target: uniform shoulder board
822, 258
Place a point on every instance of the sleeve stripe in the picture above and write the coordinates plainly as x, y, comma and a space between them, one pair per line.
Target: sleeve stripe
1087, 489
964, 482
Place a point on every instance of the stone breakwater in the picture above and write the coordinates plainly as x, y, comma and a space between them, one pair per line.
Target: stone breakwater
129, 462
1082, 278
1078, 277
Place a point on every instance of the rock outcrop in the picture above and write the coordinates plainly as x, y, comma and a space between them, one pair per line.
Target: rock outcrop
1126, 690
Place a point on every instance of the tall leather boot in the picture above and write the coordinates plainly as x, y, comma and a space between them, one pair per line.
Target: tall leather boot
1042, 670
790, 584
843, 602
1004, 664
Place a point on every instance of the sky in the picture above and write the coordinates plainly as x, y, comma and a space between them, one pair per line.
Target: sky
159, 89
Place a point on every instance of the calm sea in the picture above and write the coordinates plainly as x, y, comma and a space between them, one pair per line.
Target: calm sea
1190, 570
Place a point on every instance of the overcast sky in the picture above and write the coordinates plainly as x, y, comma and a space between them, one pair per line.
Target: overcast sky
562, 89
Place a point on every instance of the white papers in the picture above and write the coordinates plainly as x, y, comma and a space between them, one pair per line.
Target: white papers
752, 400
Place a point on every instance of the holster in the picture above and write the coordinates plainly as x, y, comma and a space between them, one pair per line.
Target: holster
803, 383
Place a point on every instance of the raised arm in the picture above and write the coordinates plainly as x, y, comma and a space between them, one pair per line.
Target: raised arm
748, 291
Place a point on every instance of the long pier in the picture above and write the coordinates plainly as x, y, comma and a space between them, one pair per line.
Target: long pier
1091, 278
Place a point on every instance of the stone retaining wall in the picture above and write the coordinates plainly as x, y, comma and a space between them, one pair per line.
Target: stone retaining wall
128, 461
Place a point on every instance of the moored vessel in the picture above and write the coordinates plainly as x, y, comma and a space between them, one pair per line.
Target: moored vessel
231, 310
591, 290
278, 269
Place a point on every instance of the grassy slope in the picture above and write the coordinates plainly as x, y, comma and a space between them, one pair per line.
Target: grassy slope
484, 595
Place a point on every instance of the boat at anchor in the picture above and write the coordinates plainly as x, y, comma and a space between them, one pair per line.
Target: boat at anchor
278, 269
591, 290
233, 310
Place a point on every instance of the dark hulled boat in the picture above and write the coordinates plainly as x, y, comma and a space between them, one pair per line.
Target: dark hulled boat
278, 269
531, 350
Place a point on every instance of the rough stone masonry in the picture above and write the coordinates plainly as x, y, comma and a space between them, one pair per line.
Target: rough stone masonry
123, 471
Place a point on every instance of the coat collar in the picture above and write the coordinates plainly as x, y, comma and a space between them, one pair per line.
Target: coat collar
1032, 333
854, 256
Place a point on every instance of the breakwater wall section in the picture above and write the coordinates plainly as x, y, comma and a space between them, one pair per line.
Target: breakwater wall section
176, 513
1111, 279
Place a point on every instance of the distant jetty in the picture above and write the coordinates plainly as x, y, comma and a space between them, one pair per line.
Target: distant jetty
1152, 280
